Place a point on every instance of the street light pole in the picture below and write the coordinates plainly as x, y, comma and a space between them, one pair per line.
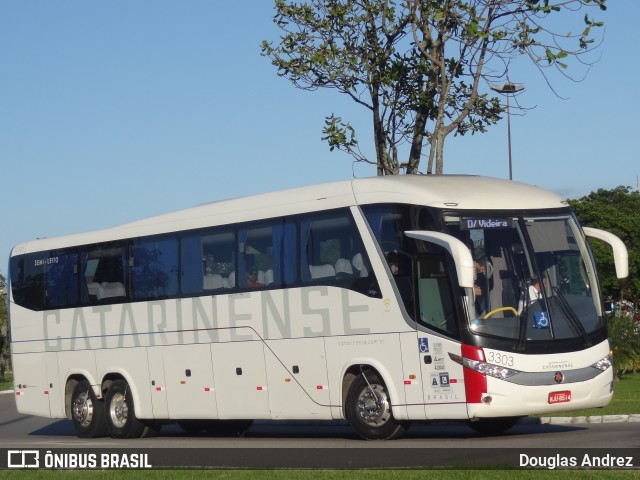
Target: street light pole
508, 89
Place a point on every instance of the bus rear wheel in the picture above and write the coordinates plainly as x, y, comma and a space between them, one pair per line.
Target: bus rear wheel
87, 412
120, 412
368, 409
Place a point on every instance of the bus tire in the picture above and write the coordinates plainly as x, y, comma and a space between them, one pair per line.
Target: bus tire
493, 426
87, 412
368, 409
120, 412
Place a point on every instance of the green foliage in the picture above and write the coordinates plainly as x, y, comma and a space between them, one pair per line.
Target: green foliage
624, 337
417, 65
616, 211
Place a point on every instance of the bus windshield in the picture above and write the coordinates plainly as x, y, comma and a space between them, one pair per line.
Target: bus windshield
534, 277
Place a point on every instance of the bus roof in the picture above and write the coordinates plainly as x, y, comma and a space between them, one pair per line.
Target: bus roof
452, 192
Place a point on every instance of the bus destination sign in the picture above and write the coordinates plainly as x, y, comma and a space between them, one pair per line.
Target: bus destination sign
485, 223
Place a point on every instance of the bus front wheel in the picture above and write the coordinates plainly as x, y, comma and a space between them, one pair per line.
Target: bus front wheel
120, 412
368, 409
87, 412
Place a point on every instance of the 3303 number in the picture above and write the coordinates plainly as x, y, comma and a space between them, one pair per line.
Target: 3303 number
500, 359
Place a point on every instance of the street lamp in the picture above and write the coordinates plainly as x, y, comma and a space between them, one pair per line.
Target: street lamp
508, 89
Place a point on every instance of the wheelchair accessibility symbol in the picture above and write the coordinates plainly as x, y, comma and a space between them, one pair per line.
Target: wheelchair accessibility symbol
542, 320
423, 345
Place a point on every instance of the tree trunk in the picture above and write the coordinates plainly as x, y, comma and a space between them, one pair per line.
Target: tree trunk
416, 144
440, 154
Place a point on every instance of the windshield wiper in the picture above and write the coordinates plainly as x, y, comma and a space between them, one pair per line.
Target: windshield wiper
522, 336
571, 315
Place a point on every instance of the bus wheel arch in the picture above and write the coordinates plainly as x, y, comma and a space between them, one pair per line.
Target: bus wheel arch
85, 410
367, 404
120, 413
139, 428
72, 380
108, 380
69, 387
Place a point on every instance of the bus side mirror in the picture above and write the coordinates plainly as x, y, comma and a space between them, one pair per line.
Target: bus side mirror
458, 250
620, 255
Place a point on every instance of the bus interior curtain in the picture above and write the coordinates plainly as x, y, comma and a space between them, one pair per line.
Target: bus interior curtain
192, 271
289, 253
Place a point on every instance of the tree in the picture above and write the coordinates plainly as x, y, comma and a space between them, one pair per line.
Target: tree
624, 338
419, 65
617, 211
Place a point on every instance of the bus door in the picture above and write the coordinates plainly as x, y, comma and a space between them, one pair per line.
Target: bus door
298, 382
182, 383
442, 377
240, 377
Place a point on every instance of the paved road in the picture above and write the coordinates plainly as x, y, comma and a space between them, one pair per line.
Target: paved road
299, 444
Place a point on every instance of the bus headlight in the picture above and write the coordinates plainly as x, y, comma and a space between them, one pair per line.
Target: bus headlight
496, 371
603, 363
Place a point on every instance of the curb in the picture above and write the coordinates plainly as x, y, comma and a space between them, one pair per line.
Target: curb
581, 420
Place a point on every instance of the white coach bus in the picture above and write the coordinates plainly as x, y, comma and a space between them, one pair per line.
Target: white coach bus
383, 301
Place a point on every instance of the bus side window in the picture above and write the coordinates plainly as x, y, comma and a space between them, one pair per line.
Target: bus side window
332, 253
260, 257
62, 280
154, 268
27, 281
436, 307
208, 261
103, 274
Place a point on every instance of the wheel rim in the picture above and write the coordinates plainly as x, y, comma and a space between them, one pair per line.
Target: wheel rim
83, 409
118, 410
373, 405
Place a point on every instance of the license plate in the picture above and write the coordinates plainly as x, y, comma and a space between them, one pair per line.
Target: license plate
560, 397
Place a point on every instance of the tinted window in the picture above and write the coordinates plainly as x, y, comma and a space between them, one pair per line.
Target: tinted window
436, 306
332, 253
103, 277
62, 279
319, 249
27, 281
154, 268
388, 223
208, 261
260, 255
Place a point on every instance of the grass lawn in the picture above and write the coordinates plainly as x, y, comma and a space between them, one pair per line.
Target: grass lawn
8, 382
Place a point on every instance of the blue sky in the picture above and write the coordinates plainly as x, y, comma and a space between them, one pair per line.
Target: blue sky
115, 111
